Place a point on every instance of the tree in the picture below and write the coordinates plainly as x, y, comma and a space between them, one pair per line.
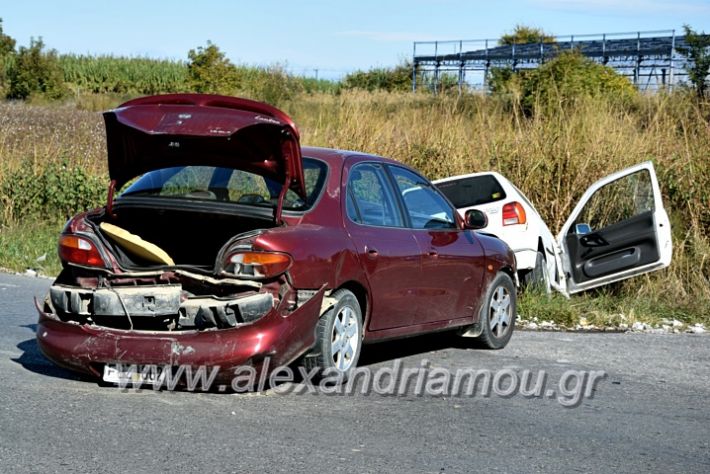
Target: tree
7, 57
7, 43
525, 34
209, 71
504, 80
36, 72
698, 54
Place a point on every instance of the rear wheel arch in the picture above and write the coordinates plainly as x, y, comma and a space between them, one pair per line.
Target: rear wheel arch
362, 295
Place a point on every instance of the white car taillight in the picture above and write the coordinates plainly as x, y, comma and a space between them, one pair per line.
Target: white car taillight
514, 213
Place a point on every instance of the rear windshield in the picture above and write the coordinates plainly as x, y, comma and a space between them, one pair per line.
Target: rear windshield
467, 192
209, 183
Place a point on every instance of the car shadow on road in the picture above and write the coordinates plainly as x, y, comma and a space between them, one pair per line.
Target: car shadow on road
417, 345
33, 360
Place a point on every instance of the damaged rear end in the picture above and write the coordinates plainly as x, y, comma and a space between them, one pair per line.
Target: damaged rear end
172, 272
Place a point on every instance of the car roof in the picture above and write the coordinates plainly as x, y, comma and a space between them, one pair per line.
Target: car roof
335, 157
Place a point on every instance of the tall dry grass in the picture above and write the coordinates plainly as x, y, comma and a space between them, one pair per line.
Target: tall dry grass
553, 157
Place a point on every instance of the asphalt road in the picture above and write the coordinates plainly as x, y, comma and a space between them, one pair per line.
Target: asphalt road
650, 413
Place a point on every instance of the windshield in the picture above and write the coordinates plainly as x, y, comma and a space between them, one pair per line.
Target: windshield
210, 183
467, 192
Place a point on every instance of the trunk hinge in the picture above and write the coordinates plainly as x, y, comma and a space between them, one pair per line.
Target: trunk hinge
109, 198
282, 195
287, 155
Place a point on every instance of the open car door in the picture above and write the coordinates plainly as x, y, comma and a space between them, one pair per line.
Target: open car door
618, 229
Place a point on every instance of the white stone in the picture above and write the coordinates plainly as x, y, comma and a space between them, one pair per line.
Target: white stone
639, 326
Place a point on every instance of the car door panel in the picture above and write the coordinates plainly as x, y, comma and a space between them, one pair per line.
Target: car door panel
452, 268
392, 263
632, 237
615, 248
452, 258
387, 250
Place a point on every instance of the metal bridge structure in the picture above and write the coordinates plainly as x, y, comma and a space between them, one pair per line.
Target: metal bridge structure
650, 59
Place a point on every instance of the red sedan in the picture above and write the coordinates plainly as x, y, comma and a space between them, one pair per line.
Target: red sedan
228, 243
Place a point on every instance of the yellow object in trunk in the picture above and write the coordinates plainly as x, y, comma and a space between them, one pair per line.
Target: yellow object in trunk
134, 245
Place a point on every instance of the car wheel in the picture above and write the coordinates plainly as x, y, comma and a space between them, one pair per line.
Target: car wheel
538, 278
338, 337
498, 312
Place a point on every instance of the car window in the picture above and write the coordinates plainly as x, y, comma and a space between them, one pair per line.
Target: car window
427, 208
617, 201
472, 191
209, 183
369, 198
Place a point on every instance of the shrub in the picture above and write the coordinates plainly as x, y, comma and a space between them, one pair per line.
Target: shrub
272, 84
209, 71
569, 76
36, 72
56, 193
398, 78
561, 82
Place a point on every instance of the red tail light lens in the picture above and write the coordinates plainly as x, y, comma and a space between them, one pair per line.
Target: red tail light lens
258, 264
80, 251
514, 213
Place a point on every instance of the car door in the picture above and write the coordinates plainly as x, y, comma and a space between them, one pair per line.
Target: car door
387, 250
618, 229
452, 258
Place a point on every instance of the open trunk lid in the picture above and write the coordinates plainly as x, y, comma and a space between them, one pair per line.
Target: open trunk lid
198, 129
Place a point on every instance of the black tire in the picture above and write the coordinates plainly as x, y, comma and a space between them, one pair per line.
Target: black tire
538, 279
495, 333
344, 361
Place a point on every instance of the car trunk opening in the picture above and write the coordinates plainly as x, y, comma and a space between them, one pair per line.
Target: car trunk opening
190, 236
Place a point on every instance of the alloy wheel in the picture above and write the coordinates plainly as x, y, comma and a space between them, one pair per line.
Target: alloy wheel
345, 338
500, 312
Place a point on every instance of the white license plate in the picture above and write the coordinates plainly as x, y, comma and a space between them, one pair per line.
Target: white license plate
127, 374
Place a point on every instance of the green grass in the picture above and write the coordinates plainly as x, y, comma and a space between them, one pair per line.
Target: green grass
610, 307
22, 245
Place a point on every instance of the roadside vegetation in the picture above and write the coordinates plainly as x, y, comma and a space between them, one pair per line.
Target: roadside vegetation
551, 136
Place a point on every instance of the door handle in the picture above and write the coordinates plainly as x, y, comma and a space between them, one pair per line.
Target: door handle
372, 252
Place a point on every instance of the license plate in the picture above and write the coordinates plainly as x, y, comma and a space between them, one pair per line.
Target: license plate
132, 374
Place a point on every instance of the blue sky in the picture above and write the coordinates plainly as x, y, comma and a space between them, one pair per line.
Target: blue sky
333, 36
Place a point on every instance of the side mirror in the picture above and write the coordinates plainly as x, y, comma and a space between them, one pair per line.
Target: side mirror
475, 219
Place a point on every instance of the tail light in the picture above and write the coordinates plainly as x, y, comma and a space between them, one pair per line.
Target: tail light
80, 251
258, 264
514, 213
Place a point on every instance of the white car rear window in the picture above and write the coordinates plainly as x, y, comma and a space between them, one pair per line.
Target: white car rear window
472, 191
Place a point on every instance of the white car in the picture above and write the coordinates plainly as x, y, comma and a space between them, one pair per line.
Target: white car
618, 229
